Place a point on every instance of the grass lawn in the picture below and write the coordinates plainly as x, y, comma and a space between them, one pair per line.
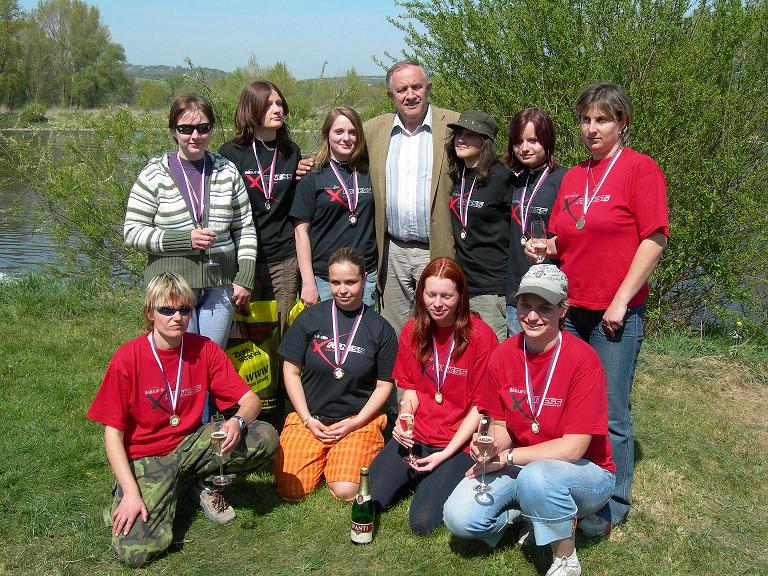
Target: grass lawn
701, 495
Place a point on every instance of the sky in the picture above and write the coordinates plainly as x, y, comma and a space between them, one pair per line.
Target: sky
224, 33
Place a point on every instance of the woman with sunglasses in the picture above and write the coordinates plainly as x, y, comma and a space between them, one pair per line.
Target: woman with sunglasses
551, 458
333, 206
441, 361
150, 402
189, 211
531, 157
610, 225
338, 374
266, 158
480, 214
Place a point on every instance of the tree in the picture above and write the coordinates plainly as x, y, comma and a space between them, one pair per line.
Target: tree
68, 58
697, 73
11, 24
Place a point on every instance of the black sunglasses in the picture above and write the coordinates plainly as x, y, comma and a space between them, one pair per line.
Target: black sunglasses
187, 129
170, 310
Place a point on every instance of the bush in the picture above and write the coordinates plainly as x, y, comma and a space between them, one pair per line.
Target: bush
33, 113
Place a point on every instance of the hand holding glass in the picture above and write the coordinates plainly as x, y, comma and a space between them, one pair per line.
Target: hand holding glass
539, 240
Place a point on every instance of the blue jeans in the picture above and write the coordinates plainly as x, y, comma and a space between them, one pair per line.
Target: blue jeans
212, 317
369, 291
549, 493
513, 324
618, 355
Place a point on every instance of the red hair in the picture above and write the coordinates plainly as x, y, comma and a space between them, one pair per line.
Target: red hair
545, 134
422, 322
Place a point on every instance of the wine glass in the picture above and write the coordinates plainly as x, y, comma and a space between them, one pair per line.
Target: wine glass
539, 240
210, 263
217, 437
405, 419
484, 444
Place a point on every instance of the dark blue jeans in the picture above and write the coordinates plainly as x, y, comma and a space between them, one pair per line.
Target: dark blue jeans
618, 355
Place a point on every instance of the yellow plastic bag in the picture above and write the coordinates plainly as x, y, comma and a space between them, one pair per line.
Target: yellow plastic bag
297, 309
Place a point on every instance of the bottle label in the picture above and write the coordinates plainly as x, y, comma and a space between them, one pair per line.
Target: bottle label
362, 533
360, 498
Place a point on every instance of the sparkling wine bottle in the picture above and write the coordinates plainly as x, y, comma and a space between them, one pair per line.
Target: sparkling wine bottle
362, 511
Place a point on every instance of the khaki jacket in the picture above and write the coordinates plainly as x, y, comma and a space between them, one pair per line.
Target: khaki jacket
377, 134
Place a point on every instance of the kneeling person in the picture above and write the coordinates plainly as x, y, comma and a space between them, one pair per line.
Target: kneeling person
151, 402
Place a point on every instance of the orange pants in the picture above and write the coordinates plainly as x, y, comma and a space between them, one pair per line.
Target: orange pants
302, 460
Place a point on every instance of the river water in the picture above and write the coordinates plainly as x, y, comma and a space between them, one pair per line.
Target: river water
24, 246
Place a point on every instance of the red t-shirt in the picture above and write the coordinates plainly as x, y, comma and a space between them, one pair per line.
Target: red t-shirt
576, 401
629, 207
435, 424
132, 397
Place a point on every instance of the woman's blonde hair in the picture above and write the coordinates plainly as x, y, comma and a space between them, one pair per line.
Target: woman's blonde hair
166, 289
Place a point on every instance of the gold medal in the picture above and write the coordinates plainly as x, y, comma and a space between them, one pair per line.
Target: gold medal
535, 428
438, 397
174, 420
463, 234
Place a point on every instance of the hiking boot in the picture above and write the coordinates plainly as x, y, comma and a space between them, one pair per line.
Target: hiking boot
214, 505
560, 568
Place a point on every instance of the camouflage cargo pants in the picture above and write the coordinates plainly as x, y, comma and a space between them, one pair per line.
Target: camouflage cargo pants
160, 478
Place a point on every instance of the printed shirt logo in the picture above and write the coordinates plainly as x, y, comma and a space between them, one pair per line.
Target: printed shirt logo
538, 210
571, 200
324, 346
454, 205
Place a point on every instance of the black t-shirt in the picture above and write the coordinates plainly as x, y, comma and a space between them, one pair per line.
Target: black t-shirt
483, 253
309, 341
540, 209
273, 227
321, 201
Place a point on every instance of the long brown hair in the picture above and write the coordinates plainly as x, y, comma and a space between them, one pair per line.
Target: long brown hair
249, 115
485, 161
423, 324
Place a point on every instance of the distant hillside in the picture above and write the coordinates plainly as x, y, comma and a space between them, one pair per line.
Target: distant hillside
161, 72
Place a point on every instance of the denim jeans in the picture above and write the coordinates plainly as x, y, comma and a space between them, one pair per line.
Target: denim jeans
513, 324
369, 291
618, 355
549, 493
212, 317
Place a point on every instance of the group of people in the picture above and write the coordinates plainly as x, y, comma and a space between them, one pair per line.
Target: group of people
413, 214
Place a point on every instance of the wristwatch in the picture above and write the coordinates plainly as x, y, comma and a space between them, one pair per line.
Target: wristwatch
510, 458
240, 422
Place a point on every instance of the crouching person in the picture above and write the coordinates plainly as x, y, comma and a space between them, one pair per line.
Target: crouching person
151, 402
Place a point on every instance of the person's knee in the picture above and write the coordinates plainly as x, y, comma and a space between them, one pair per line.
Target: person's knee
139, 553
343, 491
424, 522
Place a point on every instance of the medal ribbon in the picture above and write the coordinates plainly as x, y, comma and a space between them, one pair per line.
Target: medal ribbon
266, 187
352, 333
173, 395
524, 210
198, 204
351, 196
588, 203
464, 207
440, 378
536, 408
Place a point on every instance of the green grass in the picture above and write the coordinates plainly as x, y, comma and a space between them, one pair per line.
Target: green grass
700, 490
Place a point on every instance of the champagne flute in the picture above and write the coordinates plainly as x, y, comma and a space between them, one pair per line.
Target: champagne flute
484, 444
217, 437
539, 240
210, 263
405, 419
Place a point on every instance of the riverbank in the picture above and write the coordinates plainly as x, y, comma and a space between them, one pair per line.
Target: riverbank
699, 493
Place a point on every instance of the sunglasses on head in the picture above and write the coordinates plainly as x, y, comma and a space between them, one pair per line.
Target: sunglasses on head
170, 310
187, 129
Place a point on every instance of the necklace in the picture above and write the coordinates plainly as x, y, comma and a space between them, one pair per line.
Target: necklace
265, 145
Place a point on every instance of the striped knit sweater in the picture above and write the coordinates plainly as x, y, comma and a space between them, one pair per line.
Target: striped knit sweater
157, 221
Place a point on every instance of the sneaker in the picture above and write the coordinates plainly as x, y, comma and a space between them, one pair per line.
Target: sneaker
214, 505
595, 526
560, 568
